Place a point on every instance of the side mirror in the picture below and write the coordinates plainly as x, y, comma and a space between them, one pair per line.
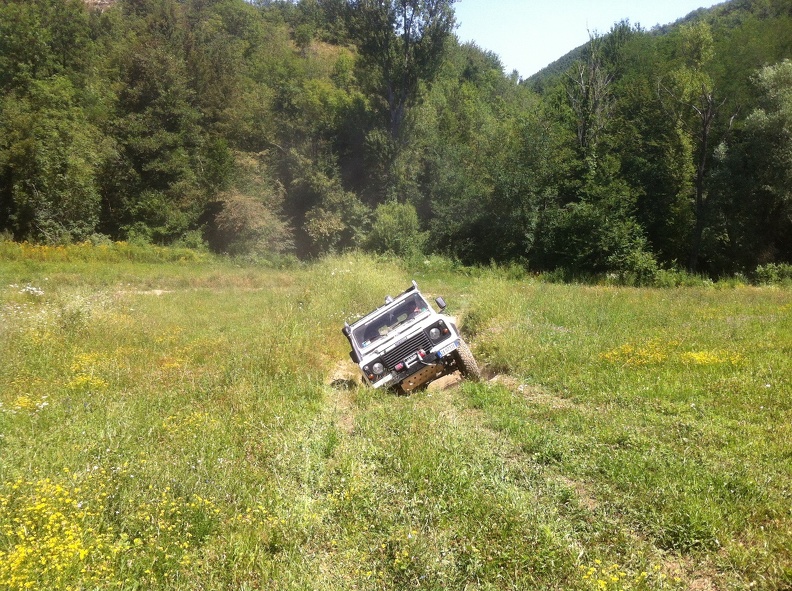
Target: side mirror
347, 330
440, 303
353, 356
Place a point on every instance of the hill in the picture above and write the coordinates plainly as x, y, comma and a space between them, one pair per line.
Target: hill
731, 14
274, 129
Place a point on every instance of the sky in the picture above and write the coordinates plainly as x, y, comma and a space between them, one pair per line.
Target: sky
530, 34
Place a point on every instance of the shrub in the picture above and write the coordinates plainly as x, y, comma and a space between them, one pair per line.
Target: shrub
396, 230
245, 225
774, 273
639, 267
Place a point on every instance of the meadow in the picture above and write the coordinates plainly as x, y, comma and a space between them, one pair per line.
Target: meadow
168, 420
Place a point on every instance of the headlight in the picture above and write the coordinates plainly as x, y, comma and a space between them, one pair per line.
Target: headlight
378, 368
434, 334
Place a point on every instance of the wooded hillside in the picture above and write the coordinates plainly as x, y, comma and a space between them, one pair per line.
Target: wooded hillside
321, 125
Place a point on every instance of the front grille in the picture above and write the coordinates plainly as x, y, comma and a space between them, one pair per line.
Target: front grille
406, 348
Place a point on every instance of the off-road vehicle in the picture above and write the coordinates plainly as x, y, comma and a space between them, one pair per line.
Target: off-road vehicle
406, 344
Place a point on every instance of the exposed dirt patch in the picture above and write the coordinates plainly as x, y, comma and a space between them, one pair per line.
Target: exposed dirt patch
154, 292
445, 383
530, 393
344, 378
585, 498
696, 576
702, 584
344, 412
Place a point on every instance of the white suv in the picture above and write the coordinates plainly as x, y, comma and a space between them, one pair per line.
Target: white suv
405, 344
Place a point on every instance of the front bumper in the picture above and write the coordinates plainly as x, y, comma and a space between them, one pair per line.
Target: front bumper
418, 371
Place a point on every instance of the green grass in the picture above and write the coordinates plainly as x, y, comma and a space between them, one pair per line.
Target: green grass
168, 423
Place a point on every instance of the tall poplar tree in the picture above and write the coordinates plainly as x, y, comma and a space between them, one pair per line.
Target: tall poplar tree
692, 97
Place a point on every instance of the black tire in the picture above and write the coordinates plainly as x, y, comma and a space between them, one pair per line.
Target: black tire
467, 363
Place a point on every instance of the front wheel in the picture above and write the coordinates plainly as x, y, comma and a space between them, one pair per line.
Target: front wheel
466, 362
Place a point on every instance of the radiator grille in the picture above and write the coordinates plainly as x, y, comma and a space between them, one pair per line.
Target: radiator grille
406, 348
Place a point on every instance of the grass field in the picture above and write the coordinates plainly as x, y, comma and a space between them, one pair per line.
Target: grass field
167, 422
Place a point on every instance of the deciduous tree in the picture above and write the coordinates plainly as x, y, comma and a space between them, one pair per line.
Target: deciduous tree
404, 41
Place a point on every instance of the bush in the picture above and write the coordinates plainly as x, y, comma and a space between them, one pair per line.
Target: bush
639, 267
246, 226
774, 273
668, 278
396, 230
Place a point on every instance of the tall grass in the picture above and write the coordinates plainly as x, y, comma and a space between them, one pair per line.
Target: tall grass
170, 424
671, 409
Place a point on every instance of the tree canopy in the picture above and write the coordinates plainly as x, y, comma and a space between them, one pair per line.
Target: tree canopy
312, 126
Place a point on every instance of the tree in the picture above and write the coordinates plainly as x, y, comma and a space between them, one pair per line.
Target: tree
656, 159
248, 225
753, 178
769, 127
396, 230
592, 226
403, 40
336, 220
247, 218
50, 156
589, 96
50, 147
166, 168
43, 38
696, 105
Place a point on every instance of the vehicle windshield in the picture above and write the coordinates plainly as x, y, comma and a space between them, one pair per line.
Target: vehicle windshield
378, 327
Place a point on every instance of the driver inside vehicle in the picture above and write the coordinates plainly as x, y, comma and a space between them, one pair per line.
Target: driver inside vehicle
408, 310
419, 307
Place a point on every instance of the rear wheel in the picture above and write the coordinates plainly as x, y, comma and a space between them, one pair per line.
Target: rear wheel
466, 362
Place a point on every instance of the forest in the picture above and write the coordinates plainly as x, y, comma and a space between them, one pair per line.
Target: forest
310, 127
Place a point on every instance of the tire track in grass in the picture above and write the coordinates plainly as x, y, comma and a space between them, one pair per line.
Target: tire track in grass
446, 398
698, 575
343, 379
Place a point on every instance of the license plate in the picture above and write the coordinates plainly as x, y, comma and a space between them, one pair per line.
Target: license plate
446, 350
384, 381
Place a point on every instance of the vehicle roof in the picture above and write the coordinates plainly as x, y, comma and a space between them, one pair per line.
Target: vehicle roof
397, 300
